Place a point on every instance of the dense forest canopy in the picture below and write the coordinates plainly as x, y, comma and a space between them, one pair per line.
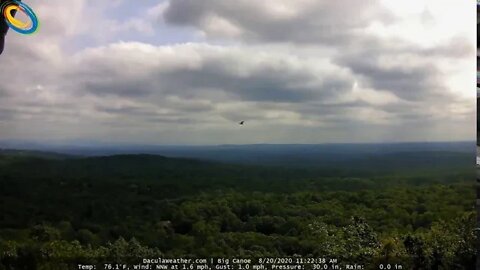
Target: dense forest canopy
59, 209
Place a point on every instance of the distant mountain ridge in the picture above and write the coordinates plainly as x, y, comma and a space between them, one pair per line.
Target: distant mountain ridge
324, 155
378, 157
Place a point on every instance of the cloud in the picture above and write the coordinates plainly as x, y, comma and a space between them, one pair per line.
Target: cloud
409, 71
241, 73
311, 21
271, 63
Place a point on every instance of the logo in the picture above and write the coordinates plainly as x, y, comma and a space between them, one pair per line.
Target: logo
26, 28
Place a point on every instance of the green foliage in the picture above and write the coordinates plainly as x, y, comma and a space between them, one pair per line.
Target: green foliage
83, 210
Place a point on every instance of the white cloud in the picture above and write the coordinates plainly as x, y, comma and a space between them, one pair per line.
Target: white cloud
377, 75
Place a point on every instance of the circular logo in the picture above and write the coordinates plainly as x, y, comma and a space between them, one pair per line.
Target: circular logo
19, 26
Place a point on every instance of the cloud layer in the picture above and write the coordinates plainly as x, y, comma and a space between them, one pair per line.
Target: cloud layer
297, 72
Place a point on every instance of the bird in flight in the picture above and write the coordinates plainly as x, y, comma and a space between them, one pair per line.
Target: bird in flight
241, 123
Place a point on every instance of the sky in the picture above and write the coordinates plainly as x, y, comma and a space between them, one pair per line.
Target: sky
187, 71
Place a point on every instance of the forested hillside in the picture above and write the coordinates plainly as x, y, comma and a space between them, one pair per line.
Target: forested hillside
58, 209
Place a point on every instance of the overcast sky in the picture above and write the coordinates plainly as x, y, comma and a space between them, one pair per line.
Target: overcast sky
187, 71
